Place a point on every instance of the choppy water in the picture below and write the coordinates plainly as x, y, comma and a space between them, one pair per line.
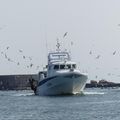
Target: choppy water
96, 104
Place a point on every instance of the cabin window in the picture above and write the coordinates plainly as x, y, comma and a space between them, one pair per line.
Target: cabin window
73, 66
62, 66
56, 67
68, 66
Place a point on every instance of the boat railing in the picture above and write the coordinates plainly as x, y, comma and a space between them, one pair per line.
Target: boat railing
58, 56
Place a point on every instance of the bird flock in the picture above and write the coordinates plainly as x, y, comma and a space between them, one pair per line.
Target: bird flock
5, 55
29, 58
18, 63
99, 56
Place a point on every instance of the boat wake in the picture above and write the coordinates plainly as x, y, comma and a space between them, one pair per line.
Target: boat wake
94, 93
24, 94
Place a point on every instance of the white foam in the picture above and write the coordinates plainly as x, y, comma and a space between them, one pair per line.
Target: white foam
23, 94
94, 93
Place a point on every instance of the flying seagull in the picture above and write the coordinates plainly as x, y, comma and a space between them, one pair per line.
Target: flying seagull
23, 57
71, 43
90, 52
30, 58
31, 65
98, 57
2, 53
18, 63
7, 47
65, 34
109, 74
5, 56
10, 60
20, 51
114, 52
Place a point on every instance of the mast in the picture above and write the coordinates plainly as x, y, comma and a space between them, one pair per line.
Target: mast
58, 45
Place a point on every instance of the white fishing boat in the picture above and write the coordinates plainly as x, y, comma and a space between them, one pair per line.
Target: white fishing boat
61, 77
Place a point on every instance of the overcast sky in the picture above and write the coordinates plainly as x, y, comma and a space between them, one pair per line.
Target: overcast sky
34, 25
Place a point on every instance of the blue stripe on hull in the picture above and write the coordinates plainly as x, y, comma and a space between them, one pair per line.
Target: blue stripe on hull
67, 76
45, 80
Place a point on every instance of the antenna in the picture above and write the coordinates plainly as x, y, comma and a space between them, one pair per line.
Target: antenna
46, 42
58, 45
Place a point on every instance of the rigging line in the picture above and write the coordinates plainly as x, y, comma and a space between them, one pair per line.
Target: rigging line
46, 43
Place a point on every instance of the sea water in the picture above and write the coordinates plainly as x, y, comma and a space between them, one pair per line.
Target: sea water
94, 104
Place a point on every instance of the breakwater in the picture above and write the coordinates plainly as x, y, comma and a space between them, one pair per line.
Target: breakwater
16, 82
89, 85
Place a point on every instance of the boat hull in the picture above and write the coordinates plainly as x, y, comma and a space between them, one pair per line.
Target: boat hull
67, 83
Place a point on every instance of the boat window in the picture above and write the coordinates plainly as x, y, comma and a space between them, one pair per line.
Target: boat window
74, 66
68, 66
62, 66
56, 67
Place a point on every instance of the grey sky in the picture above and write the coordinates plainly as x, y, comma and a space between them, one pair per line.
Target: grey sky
92, 25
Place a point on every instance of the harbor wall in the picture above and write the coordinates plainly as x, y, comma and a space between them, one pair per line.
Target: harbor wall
16, 82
